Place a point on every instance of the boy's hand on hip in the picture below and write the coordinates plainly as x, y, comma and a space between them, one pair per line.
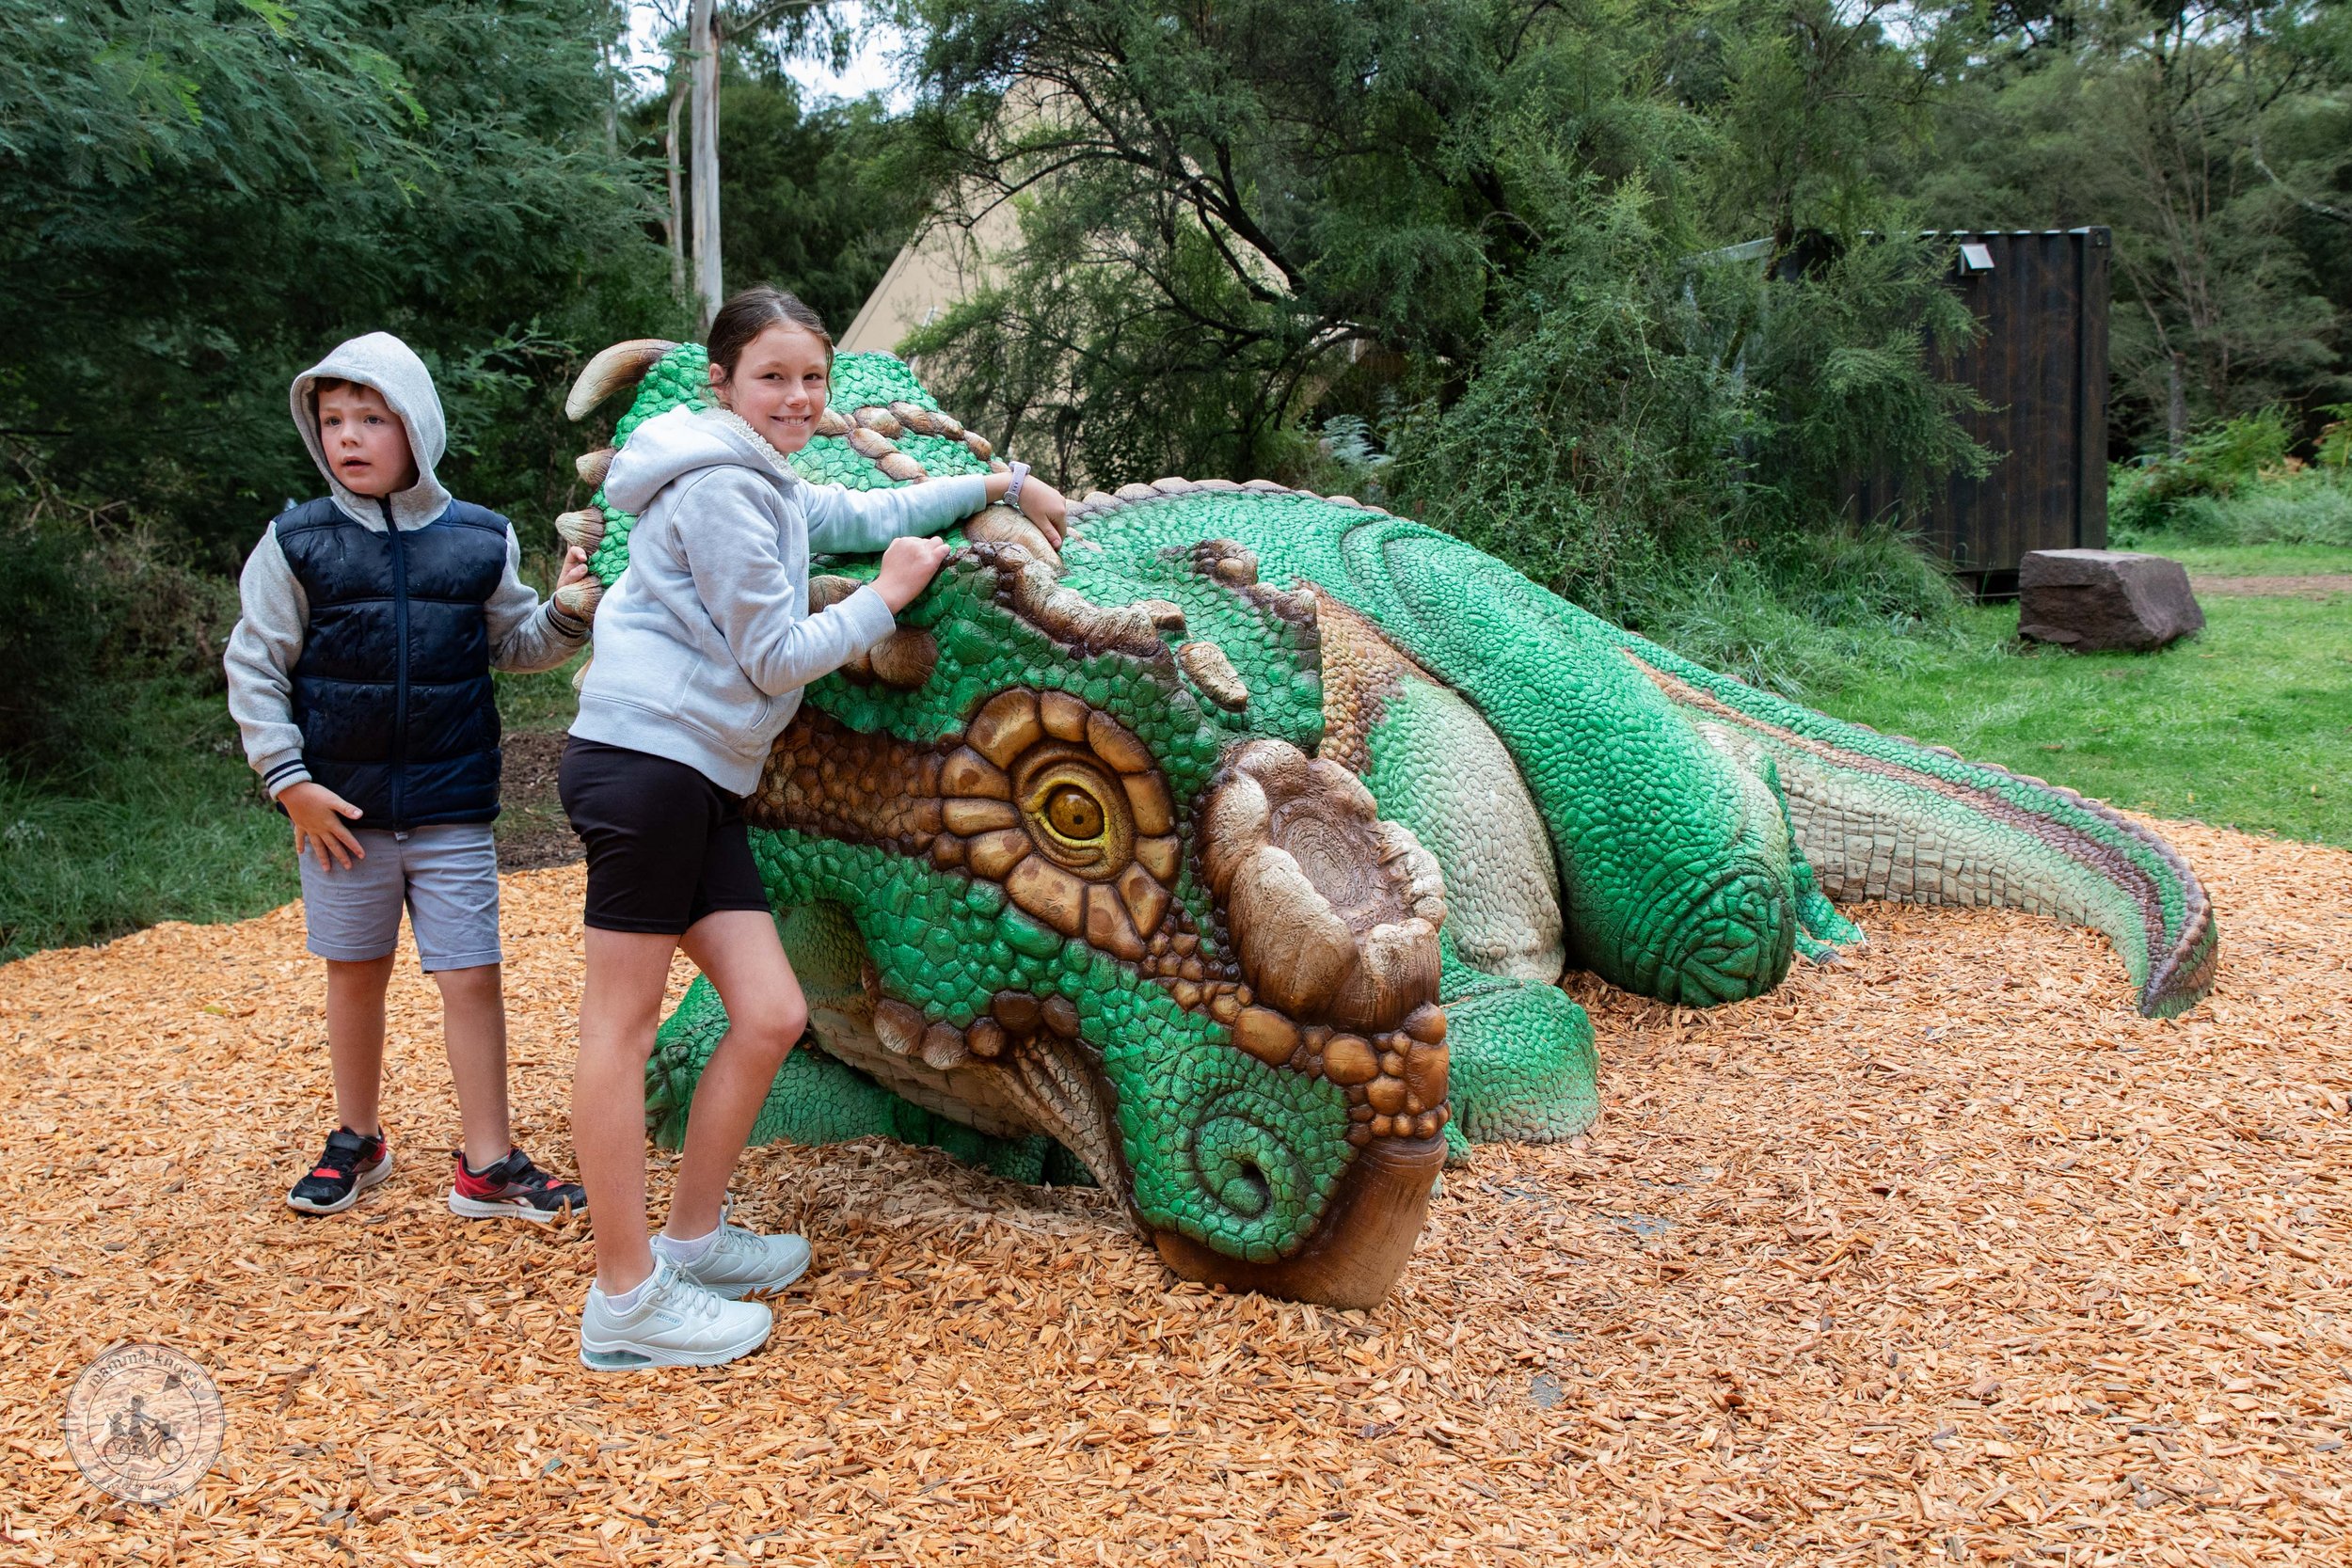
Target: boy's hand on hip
318, 815
907, 568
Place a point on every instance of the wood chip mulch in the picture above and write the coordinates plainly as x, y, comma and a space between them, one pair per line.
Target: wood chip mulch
1945, 1256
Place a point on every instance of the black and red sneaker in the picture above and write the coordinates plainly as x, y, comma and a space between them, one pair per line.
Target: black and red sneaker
511, 1189
350, 1166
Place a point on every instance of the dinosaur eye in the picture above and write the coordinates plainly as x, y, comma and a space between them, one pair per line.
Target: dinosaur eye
1075, 814
1075, 811
1060, 804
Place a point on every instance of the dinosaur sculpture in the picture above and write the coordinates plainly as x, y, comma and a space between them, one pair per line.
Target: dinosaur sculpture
1234, 854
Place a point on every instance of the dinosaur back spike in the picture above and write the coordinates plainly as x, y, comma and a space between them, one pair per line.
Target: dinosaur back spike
583, 527
621, 365
580, 598
593, 465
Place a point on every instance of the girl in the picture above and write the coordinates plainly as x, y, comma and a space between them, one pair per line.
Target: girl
702, 648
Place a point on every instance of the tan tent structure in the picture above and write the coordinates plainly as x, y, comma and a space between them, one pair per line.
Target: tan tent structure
955, 253
947, 260
942, 263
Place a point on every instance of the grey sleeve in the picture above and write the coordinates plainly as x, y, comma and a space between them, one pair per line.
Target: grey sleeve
268, 640
842, 521
525, 634
758, 609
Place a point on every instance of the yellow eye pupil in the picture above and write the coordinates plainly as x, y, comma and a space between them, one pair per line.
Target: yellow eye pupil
1073, 813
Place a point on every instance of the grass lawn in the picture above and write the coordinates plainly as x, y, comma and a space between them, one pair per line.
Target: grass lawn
2253, 561
2248, 724
171, 828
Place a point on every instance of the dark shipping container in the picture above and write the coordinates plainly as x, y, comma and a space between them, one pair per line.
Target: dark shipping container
2041, 366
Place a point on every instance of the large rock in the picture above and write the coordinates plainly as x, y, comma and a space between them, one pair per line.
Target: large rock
2093, 599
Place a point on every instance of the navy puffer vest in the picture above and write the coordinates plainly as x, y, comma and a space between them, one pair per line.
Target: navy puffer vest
392, 690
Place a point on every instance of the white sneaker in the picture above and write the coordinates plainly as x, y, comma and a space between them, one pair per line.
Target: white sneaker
676, 1323
741, 1263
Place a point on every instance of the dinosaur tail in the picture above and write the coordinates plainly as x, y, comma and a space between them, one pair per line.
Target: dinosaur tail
1880, 816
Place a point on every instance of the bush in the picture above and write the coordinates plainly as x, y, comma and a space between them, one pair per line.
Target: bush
1672, 449
51, 639
86, 614
2215, 464
2235, 485
2300, 508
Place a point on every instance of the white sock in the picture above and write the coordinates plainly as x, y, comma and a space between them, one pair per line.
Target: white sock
627, 1300
688, 1253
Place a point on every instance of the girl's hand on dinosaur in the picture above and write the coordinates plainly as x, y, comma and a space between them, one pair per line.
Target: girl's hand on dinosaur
575, 568
907, 568
1045, 506
318, 814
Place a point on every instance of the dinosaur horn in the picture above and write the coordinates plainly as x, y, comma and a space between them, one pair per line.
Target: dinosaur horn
621, 365
593, 465
999, 524
1065, 614
583, 527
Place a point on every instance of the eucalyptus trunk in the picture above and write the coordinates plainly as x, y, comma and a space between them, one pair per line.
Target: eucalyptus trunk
703, 42
673, 228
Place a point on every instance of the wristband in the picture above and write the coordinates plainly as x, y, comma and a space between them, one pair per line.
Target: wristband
1012, 495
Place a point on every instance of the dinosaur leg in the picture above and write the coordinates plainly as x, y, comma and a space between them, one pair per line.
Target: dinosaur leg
1675, 878
1521, 1059
1821, 930
1521, 1064
815, 1099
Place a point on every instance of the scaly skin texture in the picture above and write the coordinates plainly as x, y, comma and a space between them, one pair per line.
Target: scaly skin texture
1233, 855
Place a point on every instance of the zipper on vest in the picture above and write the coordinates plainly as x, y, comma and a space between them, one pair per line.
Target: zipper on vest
400, 665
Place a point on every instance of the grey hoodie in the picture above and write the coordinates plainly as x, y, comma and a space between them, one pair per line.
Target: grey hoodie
525, 635
703, 643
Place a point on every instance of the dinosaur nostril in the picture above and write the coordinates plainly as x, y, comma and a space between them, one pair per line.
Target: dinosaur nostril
1244, 1167
1246, 1189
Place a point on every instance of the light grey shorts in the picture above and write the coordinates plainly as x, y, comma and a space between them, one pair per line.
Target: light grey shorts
447, 876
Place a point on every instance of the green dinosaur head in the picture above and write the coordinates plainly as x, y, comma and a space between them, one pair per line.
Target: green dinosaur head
1105, 890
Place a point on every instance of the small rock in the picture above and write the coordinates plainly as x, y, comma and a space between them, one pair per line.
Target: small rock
2094, 599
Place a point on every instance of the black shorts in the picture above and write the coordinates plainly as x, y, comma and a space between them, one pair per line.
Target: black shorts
666, 846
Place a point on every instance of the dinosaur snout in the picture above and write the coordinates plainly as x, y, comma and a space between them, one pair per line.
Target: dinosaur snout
1332, 916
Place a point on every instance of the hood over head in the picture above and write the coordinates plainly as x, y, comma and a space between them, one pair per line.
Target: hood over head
678, 442
384, 362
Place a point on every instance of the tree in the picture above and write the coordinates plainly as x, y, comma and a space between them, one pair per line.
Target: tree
811, 200
205, 193
1481, 230
773, 30
2213, 138
1224, 208
703, 52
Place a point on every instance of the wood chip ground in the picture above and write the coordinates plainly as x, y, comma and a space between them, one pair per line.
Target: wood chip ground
1945, 1256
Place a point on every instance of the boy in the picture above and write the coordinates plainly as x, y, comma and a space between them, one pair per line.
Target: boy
360, 673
